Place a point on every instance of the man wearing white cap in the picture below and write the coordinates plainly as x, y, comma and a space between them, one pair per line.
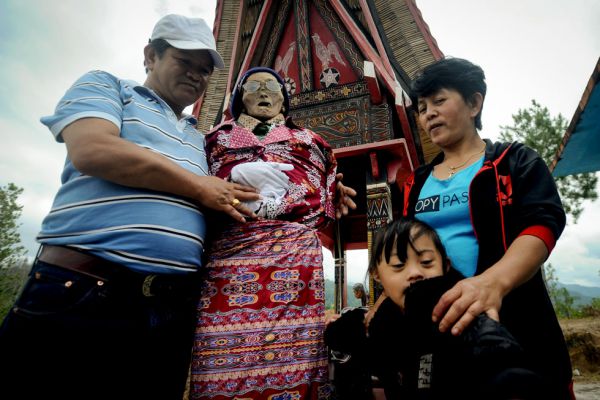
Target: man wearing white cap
109, 308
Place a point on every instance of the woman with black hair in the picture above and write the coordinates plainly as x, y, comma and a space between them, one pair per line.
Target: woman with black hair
498, 213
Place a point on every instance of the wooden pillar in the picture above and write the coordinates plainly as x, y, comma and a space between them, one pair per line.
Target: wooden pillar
339, 256
379, 214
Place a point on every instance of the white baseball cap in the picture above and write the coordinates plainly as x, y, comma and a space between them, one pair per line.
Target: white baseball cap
187, 34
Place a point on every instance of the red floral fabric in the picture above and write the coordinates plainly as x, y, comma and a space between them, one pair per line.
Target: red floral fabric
312, 181
261, 317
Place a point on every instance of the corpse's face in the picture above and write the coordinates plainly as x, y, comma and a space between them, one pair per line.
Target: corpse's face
422, 262
263, 103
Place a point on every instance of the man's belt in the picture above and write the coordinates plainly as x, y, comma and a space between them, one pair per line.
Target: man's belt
118, 275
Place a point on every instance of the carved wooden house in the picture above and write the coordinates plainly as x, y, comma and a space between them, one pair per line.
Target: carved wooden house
347, 65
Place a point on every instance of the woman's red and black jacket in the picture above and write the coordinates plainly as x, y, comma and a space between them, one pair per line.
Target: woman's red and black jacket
514, 194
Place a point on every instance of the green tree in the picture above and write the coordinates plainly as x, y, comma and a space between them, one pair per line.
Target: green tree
592, 309
11, 249
13, 265
560, 296
12, 278
536, 128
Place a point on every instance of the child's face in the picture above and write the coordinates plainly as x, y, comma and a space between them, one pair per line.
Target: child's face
396, 277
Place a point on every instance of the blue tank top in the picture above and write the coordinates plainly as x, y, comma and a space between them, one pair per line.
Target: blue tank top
444, 204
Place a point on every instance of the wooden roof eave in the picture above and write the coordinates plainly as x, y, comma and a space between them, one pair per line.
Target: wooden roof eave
405, 36
216, 29
409, 46
376, 38
424, 28
258, 29
234, 51
388, 80
226, 37
364, 45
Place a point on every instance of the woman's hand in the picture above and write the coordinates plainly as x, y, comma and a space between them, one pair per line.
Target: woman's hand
343, 197
483, 293
459, 306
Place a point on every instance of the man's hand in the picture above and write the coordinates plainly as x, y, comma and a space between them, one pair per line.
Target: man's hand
343, 197
220, 195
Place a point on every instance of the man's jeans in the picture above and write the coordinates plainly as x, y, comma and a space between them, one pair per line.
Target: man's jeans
72, 336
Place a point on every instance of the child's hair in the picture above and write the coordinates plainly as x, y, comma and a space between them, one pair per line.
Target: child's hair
450, 73
399, 233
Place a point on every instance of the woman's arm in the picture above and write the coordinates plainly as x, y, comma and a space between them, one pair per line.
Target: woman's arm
539, 219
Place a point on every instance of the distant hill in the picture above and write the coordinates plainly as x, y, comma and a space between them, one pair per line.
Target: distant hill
582, 294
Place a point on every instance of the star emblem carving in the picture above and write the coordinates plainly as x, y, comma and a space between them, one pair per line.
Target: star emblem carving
329, 77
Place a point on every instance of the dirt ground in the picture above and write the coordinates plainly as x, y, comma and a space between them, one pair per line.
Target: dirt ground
583, 339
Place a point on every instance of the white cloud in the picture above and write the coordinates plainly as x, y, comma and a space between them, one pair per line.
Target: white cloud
576, 256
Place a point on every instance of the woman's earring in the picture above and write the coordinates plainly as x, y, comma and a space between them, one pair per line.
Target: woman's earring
282, 109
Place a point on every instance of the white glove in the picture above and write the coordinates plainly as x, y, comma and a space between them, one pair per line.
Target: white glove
268, 178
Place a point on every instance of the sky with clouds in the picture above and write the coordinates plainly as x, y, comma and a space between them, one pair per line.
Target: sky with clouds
534, 49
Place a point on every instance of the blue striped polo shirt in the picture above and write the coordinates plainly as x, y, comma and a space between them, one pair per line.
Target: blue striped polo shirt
145, 230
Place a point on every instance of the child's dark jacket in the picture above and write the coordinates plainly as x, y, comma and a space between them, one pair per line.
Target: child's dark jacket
413, 360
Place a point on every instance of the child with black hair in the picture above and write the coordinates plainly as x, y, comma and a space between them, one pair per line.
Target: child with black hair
405, 350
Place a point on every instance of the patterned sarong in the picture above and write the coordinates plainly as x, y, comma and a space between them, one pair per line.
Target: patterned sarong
261, 316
